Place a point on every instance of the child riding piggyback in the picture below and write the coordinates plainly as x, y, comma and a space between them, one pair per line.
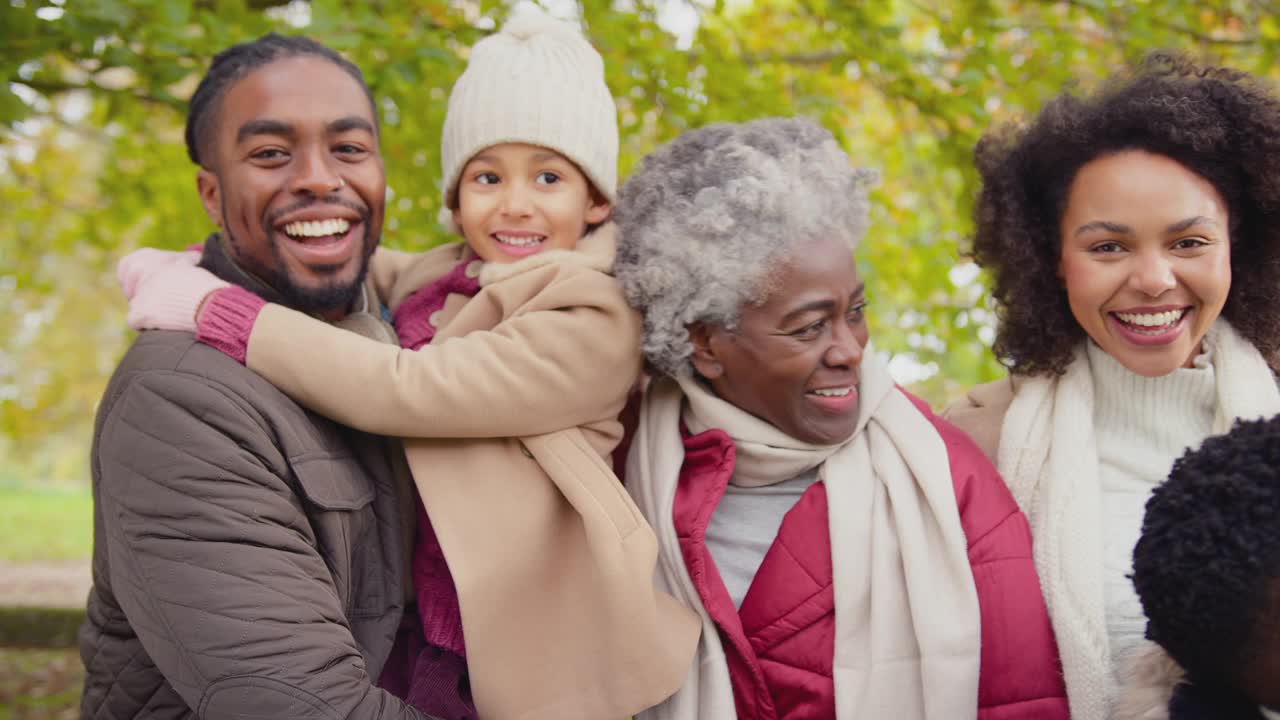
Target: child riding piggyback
532, 565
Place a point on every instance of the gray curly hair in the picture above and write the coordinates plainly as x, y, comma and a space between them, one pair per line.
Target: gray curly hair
708, 218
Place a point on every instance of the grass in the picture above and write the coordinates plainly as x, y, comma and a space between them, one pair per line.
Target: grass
43, 684
39, 525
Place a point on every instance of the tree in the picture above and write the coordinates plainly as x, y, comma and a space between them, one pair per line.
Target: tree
92, 163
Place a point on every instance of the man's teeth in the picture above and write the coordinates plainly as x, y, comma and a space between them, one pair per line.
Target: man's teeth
519, 240
1152, 319
317, 228
832, 392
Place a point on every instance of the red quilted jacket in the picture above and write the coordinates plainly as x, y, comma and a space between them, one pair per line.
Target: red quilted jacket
779, 643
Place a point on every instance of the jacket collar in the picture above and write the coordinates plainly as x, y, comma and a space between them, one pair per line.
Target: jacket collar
216, 260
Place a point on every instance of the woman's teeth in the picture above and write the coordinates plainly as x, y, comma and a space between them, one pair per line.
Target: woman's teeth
832, 392
1152, 320
317, 228
519, 240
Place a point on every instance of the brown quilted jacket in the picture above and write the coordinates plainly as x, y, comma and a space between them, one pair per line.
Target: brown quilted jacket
248, 554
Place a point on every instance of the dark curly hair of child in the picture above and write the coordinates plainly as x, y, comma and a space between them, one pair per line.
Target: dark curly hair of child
1207, 567
1223, 125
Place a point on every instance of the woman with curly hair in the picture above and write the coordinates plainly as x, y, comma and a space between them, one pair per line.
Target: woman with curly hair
1133, 240
850, 554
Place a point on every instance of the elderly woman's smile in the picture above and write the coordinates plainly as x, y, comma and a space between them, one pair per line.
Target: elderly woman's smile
793, 359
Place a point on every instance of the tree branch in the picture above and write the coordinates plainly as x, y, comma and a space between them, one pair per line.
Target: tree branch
250, 4
55, 87
1192, 33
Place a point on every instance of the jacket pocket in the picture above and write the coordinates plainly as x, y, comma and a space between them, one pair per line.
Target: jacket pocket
338, 494
333, 483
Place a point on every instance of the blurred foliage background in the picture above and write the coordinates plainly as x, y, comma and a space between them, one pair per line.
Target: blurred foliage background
92, 163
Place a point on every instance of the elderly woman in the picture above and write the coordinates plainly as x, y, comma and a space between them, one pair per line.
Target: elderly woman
1133, 239
850, 554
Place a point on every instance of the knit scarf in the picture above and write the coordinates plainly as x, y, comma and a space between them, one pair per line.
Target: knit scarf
763, 454
907, 620
1048, 456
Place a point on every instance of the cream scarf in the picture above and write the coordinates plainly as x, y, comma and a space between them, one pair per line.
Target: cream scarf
907, 620
1049, 459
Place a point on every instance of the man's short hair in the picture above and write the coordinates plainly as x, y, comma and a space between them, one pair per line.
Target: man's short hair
239, 60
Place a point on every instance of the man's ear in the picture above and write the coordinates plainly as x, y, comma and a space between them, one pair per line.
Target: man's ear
210, 195
704, 355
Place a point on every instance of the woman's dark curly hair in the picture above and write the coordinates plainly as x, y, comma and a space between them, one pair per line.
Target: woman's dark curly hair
1207, 566
1222, 124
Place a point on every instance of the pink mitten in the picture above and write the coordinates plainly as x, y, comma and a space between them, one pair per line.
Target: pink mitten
164, 288
138, 264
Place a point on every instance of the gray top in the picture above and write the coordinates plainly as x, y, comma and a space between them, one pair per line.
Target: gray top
744, 525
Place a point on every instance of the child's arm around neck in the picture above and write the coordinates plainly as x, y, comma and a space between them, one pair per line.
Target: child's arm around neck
548, 346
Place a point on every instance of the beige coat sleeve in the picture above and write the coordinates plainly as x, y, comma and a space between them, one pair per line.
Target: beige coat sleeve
566, 357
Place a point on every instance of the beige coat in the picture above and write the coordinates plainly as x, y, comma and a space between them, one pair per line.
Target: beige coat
980, 413
509, 416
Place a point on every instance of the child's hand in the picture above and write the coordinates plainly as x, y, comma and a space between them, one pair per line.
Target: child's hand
164, 289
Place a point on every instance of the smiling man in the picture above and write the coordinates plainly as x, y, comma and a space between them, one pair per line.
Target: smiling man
292, 176
249, 556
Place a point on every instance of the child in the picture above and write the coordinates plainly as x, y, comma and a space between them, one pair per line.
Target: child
520, 351
1207, 569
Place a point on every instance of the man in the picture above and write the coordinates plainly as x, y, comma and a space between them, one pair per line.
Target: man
249, 556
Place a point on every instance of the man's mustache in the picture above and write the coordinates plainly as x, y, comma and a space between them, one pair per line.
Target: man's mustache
275, 215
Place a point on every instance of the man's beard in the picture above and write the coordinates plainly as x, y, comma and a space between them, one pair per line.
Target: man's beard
317, 299
313, 300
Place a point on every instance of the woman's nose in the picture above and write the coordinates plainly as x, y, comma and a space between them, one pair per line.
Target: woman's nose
845, 349
1153, 275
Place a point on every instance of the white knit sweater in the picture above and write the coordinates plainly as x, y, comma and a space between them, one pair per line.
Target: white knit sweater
1141, 426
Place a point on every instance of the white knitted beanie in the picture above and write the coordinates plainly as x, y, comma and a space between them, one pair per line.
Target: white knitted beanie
536, 81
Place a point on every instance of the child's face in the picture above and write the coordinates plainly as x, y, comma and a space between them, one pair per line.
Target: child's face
515, 200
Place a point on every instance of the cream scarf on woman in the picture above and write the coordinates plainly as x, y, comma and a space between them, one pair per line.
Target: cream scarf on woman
1049, 458
907, 622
